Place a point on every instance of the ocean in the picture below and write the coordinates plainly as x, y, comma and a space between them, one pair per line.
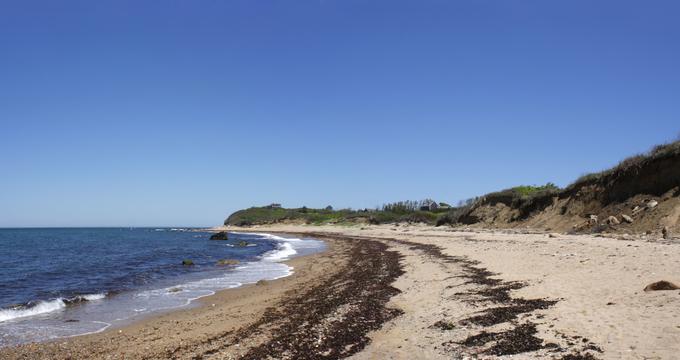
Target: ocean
63, 282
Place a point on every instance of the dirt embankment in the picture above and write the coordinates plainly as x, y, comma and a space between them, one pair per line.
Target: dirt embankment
642, 194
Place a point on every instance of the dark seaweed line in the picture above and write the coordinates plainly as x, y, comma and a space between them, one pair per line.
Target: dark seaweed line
328, 321
518, 339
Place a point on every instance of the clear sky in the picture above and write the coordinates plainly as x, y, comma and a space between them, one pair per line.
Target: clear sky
177, 113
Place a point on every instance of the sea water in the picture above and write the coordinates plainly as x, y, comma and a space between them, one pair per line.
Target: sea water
57, 283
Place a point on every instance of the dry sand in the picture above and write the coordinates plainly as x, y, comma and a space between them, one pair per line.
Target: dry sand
418, 292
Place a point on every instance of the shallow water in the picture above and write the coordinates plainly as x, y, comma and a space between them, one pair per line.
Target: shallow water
65, 282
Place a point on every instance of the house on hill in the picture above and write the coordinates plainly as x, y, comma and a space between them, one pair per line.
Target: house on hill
430, 205
274, 206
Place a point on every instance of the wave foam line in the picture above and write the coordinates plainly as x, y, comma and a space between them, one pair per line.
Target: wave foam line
41, 307
284, 251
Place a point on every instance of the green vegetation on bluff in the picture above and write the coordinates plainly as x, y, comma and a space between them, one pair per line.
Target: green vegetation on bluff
403, 211
271, 215
631, 164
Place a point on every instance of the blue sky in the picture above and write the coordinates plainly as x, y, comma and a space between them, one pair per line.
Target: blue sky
156, 113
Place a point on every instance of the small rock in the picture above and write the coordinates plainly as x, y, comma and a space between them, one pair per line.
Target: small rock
592, 219
612, 220
242, 243
661, 285
666, 233
651, 204
627, 218
553, 235
261, 282
187, 262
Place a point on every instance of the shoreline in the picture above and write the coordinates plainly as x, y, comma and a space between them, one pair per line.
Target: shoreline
137, 328
65, 316
394, 291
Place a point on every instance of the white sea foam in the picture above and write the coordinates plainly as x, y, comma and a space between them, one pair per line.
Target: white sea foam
42, 307
284, 252
104, 326
287, 247
92, 297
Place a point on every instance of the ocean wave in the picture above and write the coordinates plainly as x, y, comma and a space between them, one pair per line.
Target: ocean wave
287, 246
284, 252
41, 307
92, 297
83, 298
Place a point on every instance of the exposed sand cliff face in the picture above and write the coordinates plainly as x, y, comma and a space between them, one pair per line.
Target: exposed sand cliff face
646, 190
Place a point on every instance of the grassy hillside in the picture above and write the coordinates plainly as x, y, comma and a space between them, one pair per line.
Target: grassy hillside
269, 215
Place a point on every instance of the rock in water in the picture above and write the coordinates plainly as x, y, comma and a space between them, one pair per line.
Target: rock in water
242, 243
226, 262
661, 285
627, 218
187, 262
222, 235
612, 220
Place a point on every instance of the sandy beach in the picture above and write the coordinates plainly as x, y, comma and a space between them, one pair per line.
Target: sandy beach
405, 292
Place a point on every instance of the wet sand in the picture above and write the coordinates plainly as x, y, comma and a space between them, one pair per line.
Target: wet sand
325, 309
418, 292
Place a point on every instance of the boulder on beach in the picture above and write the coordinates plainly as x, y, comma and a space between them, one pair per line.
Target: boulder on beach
228, 262
222, 235
627, 218
187, 262
661, 285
